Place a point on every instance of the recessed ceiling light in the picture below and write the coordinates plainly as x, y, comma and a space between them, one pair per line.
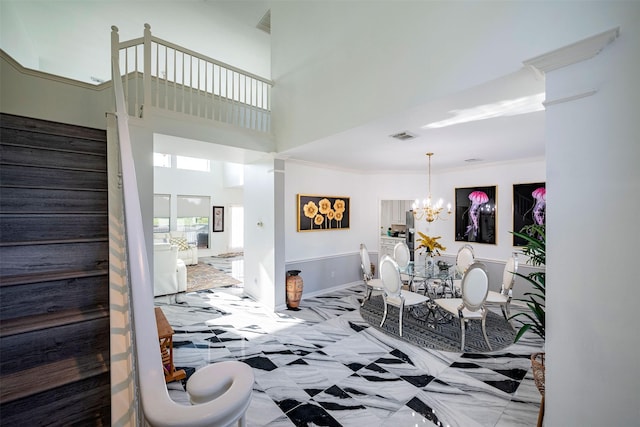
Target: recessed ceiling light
472, 160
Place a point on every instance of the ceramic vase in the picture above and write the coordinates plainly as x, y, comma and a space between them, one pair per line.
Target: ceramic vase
430, 263
295, 286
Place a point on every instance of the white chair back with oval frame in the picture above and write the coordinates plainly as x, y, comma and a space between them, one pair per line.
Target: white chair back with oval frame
393, 293
390, 276
503, 298
464, 258
402, 256
475, 288
370, 284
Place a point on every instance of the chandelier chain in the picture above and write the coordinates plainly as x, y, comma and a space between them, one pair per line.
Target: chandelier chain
430, 212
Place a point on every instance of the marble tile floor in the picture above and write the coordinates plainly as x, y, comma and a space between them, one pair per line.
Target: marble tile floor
233, 266
324, 366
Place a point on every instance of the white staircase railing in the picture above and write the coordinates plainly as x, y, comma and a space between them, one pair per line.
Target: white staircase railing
160, 74
158, 408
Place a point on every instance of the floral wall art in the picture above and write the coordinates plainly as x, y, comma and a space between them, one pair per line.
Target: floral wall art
476, 214
529, 207
317, 213
218, 219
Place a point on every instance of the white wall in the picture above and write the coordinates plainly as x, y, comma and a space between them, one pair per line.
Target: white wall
76, 33
593, 374
367, 190
314, 180
53, 98
263, 279
196, 183
503, 176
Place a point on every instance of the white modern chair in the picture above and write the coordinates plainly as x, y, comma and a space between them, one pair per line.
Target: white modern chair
169, 271
475, 287
503, 298
392, 290
229, 385
370, 284
402, 256
464, 258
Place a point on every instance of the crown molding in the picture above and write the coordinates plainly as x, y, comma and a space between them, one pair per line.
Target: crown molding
569, 98
573, 53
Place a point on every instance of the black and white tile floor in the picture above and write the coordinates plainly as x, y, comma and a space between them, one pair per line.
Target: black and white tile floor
233, 266
324, 366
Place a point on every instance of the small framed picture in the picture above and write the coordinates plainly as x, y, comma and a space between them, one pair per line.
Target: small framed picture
218, 219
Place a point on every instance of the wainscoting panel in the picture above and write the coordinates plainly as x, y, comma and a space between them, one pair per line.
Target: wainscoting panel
496, 268
321, 274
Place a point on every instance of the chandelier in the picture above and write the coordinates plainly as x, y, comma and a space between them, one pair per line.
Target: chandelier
428, 211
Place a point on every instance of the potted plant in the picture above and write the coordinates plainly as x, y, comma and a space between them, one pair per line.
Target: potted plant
534, 321
432, 247
535, 249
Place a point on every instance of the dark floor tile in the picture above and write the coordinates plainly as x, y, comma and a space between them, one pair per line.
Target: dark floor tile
423, 409
514, 374
260, 362
508, 386
418, 380
309, 414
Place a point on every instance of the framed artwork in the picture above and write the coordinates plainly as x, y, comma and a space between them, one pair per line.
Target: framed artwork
218, 219
529, 207
319, 213
475, 212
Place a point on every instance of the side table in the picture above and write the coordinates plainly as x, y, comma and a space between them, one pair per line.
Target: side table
165, 334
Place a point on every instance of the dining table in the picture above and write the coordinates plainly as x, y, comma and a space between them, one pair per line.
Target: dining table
433, 281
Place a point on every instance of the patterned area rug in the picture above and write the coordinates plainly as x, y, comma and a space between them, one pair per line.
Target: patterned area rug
203, 276
441, 334
229, 255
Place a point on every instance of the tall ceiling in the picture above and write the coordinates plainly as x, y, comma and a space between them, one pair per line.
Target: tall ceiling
501, 136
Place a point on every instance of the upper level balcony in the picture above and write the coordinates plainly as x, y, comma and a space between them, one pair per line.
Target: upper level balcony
162, 76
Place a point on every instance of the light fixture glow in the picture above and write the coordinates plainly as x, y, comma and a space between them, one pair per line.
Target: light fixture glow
429, 211
508, 107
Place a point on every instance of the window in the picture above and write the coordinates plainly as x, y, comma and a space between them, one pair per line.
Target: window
162, 160
161, 213
193, 219
192, 163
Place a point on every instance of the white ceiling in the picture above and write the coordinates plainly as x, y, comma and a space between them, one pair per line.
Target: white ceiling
366, 148
500, 139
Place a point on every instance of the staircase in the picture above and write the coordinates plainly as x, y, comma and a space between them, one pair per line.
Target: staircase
54, 287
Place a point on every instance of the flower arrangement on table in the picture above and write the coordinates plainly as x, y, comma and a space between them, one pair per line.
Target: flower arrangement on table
431, 244
432, 247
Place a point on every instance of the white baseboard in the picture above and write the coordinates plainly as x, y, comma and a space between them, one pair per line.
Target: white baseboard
282, 307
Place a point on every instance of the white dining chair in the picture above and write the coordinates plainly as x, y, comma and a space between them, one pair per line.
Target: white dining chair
464, 258
392, 291
475, 287
370, 284
503, 298
402, 256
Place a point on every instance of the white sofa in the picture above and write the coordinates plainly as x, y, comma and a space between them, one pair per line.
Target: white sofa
169, 272
186, 252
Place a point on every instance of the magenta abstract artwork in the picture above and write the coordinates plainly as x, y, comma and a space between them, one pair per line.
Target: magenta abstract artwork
476, 214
